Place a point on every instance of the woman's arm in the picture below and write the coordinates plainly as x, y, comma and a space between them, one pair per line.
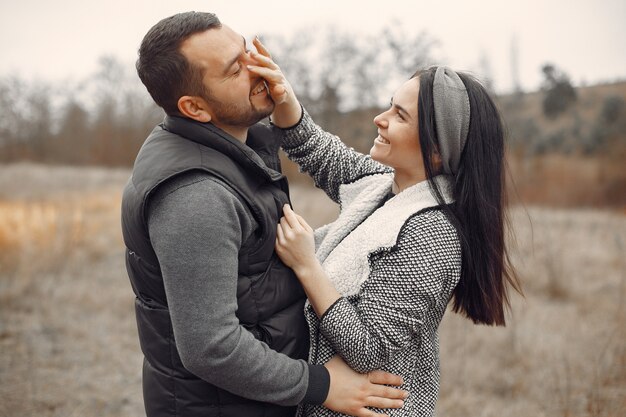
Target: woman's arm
405, 283
320, 154
325, 157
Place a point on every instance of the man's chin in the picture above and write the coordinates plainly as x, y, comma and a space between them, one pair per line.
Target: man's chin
265, 111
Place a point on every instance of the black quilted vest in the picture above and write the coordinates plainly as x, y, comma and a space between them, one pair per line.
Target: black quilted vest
270, 298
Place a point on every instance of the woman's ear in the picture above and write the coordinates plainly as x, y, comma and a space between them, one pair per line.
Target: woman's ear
195, 108
437, 163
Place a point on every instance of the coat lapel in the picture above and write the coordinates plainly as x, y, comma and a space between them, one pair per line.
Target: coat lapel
358, 201
362, 230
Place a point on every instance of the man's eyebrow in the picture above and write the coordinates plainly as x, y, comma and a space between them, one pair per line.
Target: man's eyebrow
235, 59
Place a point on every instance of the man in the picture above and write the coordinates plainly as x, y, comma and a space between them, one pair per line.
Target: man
219, 316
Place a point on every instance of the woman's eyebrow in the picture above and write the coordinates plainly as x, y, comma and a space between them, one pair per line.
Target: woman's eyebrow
402, 109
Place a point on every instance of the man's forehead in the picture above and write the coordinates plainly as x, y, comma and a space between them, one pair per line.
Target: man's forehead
212, 47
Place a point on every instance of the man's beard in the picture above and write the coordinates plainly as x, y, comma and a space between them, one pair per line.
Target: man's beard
236, 115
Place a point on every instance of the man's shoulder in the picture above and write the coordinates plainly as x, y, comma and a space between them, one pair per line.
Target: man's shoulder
195, 189
189, 181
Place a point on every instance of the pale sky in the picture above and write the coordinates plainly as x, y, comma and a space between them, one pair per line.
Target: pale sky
63, 39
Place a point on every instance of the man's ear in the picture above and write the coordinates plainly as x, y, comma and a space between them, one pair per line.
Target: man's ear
195, 108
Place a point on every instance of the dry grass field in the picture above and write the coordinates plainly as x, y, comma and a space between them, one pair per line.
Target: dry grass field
68, 343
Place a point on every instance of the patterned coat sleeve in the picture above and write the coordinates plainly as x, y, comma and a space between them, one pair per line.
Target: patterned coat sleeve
325, 157
406, 282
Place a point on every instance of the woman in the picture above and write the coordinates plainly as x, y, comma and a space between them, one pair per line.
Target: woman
421, 222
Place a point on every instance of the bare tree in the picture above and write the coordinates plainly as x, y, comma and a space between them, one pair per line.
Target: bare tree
559, 93
409, 51
25, 119
73, 142
105, 118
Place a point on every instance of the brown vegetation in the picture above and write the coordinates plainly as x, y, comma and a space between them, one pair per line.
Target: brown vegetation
575, 159
68, 341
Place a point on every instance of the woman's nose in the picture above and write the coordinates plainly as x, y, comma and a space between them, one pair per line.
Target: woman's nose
380, 121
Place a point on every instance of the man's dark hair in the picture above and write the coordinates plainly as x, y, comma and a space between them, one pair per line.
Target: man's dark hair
162, 68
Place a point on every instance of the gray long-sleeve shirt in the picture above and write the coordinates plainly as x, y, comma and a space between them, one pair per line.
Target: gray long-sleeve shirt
197, 226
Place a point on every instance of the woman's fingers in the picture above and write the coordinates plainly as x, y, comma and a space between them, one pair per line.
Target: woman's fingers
264, 61
263, 65
287, 229
275, 82
291, 217
388, 393
385, 378
364, 412
280, 236
303, 223
270, 75
260, 47
380, 402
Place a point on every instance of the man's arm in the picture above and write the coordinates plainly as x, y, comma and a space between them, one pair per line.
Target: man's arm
197, 225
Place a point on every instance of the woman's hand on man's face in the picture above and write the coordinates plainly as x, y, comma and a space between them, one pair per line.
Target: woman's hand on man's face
277, 84
287, 112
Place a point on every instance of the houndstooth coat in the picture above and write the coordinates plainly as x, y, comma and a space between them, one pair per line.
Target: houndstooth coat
394, 260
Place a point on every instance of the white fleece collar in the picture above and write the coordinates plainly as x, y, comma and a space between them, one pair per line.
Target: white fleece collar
344, 246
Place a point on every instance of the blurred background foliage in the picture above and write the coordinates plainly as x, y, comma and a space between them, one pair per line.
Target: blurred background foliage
561, 138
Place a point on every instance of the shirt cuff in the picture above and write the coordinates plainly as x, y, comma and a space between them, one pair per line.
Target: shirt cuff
319, 384
330, 308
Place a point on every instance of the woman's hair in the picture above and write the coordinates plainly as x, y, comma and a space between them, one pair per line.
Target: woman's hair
478, 211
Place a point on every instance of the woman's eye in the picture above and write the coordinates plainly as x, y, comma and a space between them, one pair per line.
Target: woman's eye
238, 70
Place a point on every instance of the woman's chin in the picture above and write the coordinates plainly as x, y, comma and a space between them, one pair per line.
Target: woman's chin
375, 155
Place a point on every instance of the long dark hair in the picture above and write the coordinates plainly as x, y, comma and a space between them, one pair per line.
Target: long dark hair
478, 212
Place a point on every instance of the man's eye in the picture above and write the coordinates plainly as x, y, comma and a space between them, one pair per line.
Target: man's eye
238, 70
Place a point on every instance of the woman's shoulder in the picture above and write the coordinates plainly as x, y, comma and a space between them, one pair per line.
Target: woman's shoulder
426, 257
430, 225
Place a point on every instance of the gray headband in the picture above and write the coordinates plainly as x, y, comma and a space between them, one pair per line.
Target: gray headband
452, 116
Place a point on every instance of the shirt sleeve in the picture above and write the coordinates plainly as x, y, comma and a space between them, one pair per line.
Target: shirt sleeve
197, 226
325, 157
405, 283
